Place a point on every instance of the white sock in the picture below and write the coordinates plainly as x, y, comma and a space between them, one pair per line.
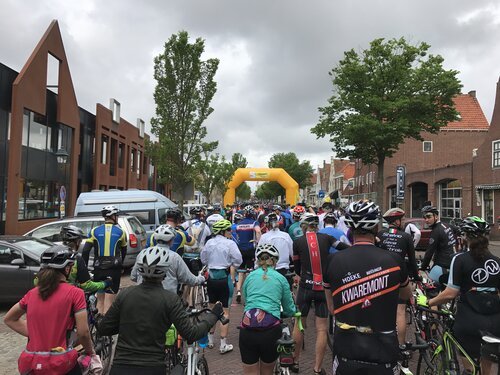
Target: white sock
211, 338
223, 342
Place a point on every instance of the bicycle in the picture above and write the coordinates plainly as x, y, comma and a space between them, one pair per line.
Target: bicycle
103, 345
188, 358
286, 347
198, 297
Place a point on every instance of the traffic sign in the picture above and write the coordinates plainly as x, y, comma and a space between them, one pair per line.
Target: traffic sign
62, 193
321, 194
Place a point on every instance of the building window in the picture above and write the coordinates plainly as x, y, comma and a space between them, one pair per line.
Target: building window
488, 208
138, 164
132, 160
104, 149
114, 105
112, 157
427, 146
121, 155
496, 154
451, 200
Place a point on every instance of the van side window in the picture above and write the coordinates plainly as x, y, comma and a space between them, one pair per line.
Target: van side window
145, 217
136, 226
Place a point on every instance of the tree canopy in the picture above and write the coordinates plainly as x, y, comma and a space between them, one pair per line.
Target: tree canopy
384, 95
184, 89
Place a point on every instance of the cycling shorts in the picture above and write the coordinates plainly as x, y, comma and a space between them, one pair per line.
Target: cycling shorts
132, 370
248, 259
304, 299
114, 273
258, 346
342, 366
220, 290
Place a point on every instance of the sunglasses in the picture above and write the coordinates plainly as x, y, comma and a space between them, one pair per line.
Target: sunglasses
264, 257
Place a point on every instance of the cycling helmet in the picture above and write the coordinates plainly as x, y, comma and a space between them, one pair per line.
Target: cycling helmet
153, 261
267, 248
429, 209
277, 207
393, 214
221, 226
196, 211
474, 226
237, 217
249, 209
109, 211
309, 219
362, 215
271, 218
165, 233
210, 210
298, 211
330, 217
58, 257
212, 219
71, 233
175, 214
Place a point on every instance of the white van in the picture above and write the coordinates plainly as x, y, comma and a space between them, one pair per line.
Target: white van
148, 206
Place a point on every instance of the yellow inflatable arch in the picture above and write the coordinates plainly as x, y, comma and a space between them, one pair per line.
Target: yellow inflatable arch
263, 174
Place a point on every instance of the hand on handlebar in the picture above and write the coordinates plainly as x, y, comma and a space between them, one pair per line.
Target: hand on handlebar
422, 300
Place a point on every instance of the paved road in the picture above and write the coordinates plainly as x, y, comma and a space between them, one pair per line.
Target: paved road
11, 344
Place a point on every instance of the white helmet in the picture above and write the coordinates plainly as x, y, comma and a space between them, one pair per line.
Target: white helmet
110, 210
165, 233
153, 261
212, 219
267, 248
309, 218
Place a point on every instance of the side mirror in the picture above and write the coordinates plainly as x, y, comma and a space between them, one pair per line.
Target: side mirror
18, 262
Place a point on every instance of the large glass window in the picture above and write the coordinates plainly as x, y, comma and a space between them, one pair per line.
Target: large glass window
112, 157
488, 197
451, 200
104, 149
121, 155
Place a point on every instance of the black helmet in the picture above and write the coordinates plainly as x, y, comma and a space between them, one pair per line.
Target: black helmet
57, 256
362, 215
430, 210
474, 226
174, 214
71, 233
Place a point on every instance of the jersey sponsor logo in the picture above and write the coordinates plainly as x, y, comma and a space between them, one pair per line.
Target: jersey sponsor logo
351, 277
244, 227
481, 275
364, 289
369, 272
366, 303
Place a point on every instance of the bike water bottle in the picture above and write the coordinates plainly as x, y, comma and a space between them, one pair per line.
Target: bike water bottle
203, 342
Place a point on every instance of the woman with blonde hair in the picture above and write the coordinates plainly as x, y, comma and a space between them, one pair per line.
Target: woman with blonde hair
265, 291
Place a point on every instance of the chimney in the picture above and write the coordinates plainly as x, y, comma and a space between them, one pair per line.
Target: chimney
472, 93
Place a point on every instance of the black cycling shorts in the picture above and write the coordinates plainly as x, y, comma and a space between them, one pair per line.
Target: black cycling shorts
348, 367
258, 346
304, 299
132, 370
220, 290
285, 272
114, 273
248, 259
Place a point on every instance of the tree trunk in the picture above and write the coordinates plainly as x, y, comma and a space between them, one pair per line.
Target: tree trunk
380, 185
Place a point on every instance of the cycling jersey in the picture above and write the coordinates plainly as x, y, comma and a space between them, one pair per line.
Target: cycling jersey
364, 282
220, 253
108, 240
335, 233
295, 231
441, 246
181, 239
309, 258
245, 230
401, 243
199, 230
284, 245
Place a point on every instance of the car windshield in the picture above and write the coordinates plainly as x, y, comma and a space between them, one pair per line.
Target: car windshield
33, 246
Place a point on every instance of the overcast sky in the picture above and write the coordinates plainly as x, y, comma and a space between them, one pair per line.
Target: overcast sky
275, 55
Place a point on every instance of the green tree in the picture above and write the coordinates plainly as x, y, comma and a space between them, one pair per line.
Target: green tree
266, 191
212, 170
384, 95
243, 192
184, 89
300, 171
237, 161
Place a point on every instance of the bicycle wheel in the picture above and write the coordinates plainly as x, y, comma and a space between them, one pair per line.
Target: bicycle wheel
424, 359
105, 352
202, 366
438, 363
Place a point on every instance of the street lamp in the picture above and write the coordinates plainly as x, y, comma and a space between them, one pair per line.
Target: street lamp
62, 156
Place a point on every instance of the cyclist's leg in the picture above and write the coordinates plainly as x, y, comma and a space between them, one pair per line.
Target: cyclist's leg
401, 322
490, 358
225, 292
109, 297
321, 311
303, 302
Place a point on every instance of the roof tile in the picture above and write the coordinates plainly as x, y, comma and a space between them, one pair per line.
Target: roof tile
472, 116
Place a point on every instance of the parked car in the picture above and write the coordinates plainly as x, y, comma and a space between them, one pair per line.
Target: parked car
419, 222
19, 264
135, 232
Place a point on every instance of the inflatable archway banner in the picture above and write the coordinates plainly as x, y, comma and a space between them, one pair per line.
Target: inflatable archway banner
263, 174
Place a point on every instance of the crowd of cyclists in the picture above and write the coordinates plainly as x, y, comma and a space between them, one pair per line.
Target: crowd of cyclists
276, 261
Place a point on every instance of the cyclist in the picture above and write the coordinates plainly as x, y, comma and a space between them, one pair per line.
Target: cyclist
327, 207
110, 247
265, 292
221, 256
441, 245
197, 228
142, 314
237, 217
278, 210
211, 220
399, 242
281, 241
475, 276
248, 233
362, 289
182, 238
330, 221
176, 270
79, 276
294, 230
52, 309
309, 256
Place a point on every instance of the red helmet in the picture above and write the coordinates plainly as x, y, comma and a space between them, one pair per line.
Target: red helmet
298, 211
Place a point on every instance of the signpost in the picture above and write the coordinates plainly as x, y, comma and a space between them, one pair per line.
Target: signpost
400, 182
62, 197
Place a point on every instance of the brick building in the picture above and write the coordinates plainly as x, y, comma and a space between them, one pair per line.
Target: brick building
51, 149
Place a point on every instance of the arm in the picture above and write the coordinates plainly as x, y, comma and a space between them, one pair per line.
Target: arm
286, 299
82, 331
184, 275
83, 277
411, 258
189, 330
110, 324
123, 249
13, 320
89, 244
431, 249
446, 295
329, 299
405, 291
236, 257
258, 233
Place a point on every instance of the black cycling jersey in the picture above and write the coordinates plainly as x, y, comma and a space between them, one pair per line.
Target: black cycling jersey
309, 260
441, 246
365, 282
401, 243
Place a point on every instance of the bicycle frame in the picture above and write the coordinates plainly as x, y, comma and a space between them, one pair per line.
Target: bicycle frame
192, 358
450, 345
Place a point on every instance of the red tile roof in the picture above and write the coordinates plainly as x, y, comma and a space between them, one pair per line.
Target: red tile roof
339, 164
472, 116
348, 171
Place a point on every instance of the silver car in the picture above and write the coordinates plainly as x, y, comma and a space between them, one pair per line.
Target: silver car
135, 232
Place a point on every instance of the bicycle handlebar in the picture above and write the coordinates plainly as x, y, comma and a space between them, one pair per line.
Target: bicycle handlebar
436, 312
298, 319
195, 313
